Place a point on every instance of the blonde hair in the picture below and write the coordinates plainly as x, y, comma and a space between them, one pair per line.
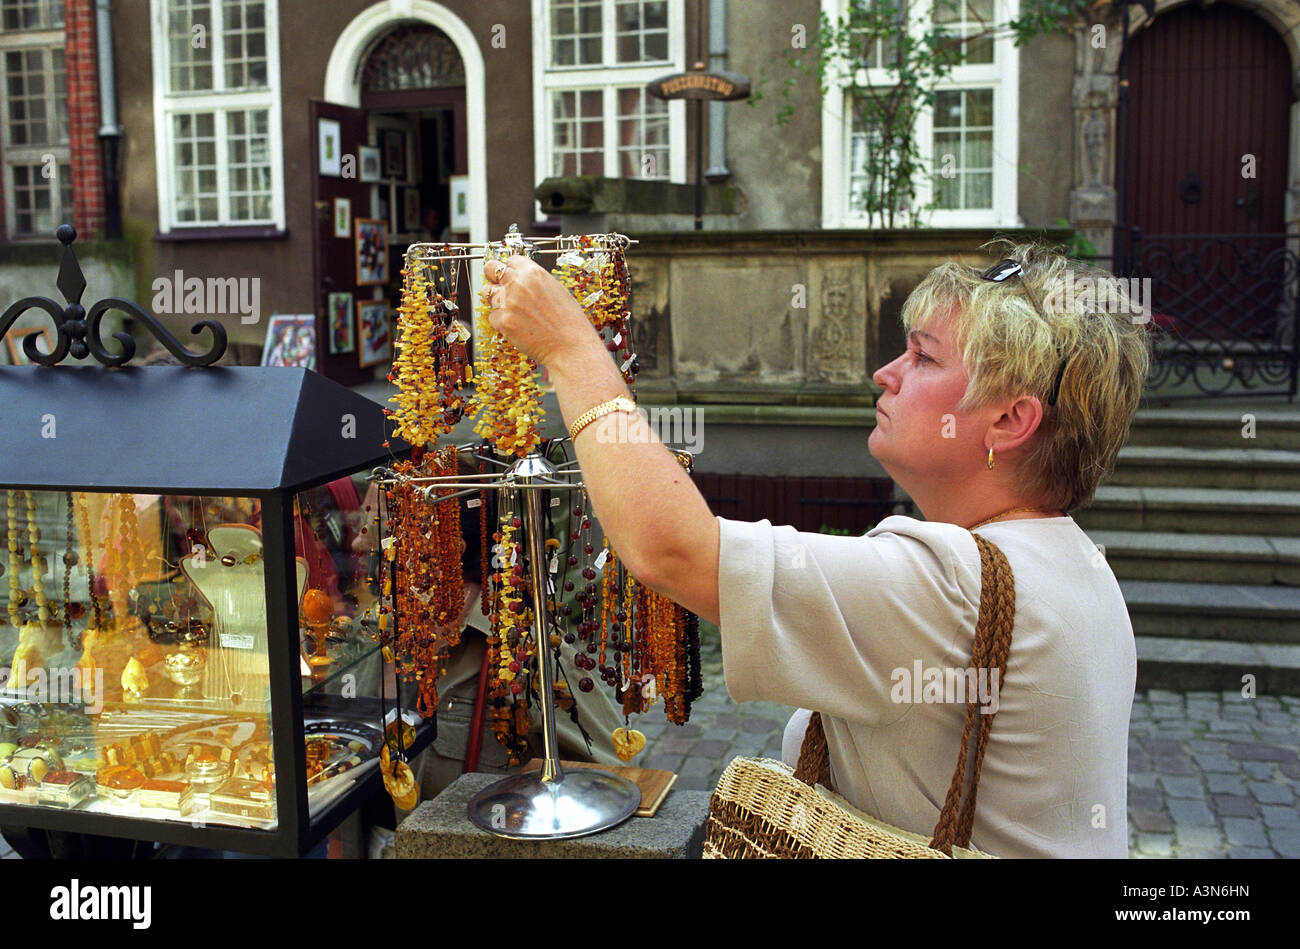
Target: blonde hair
1013, 336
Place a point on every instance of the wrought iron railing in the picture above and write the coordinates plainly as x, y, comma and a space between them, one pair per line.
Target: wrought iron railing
1223, 310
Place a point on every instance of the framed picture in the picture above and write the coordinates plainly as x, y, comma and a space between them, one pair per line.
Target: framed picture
375, 333
343, 217
290, 341
14, 340
330, 137
460, 203
372, 252
411, 210
368, 155
393, 143
340, 323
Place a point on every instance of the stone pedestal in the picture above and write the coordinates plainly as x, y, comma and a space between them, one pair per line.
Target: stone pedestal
441, 828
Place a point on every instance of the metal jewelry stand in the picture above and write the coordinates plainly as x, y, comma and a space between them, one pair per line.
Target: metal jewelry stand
549, 804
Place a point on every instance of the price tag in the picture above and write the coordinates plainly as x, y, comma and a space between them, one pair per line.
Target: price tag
618, 339
550, 586
571, 258
555, 501
474, 502
514, 556
236, 641
627, 362
600, 561
591, 298
554, 565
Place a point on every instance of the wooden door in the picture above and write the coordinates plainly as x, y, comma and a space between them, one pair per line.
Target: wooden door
1205, 167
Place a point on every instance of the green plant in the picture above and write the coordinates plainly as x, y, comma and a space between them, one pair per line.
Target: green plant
826, 529
893, 67
1079, 246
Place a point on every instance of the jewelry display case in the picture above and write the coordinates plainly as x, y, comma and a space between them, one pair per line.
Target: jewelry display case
184, 573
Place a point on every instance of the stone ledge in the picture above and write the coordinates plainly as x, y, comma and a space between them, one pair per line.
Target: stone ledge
441, 829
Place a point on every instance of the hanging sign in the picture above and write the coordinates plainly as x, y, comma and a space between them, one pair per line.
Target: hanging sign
720, 86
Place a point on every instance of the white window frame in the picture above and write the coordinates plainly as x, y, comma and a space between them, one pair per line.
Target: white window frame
1002, 75
16, 41
166, 104
608, 79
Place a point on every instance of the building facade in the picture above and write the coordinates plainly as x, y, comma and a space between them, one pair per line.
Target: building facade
247, 137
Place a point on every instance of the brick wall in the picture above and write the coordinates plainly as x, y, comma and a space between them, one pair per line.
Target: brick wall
84, 118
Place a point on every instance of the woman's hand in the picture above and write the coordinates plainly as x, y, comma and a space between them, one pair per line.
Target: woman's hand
534, 311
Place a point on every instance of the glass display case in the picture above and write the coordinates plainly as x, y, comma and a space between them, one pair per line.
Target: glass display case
186, 564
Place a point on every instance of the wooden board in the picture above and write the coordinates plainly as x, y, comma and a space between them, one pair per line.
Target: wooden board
654, 785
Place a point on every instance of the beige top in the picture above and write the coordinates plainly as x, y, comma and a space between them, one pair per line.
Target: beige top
847, 625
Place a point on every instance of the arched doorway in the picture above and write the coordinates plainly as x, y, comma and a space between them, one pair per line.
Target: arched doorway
1204, 168
404, 104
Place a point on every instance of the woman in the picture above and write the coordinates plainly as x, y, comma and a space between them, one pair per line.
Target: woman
1000, 416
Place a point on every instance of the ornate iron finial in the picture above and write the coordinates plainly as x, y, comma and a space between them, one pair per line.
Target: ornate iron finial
78, 331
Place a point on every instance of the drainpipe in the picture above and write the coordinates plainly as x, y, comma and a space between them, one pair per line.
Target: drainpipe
718, 170
110, 133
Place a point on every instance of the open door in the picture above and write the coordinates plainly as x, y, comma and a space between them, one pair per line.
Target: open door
335, 254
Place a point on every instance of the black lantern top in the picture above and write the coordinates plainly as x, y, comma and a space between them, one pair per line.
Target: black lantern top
168, 430
248, 430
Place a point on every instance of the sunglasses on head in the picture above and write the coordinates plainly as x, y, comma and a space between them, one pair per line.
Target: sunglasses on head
1004, 270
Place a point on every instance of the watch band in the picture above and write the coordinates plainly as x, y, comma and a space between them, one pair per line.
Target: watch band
618, 404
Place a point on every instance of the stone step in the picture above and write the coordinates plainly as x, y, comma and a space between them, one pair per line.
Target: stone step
1193, 510
1224, 612
1200, 558
1179, 466
1274, 427
1184, 665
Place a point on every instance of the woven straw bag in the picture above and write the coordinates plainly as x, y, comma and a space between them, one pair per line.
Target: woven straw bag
763, 808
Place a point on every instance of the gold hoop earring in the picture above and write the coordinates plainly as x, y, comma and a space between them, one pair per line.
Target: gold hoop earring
990, 459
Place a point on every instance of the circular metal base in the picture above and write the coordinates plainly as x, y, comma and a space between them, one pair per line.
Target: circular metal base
582, 802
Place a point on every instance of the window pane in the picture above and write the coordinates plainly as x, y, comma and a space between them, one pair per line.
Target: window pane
245, 44
947, 11
32, 14
562, 19
978, 151
36, 88
980, 50
979, 190
589, 49
247, 152
194, 176
189, 44
655, 13
963, 149
35, 210
629, 49
947, 109
562, 52
656, 45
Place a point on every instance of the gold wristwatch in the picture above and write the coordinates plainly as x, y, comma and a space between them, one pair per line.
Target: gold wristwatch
619, 404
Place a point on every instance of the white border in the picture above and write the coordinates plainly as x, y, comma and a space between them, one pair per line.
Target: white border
343, 86
605, 78
1003, 75
166, 104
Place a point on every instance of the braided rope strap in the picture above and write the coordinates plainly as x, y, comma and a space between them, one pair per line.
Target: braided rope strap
988, 656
